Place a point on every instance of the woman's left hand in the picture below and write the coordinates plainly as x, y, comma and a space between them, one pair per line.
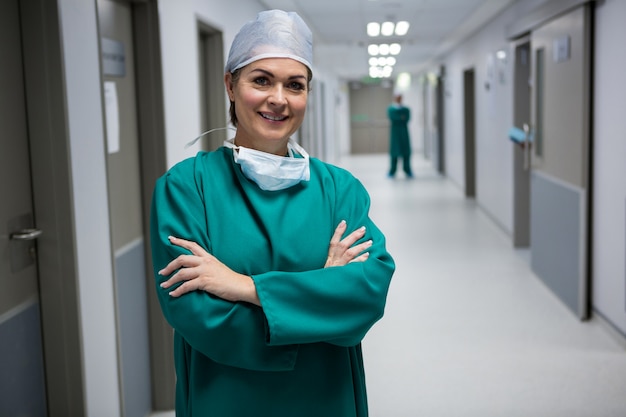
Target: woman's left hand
342, 251
204, 272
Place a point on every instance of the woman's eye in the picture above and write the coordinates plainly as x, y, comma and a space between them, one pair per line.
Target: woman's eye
296, 86
261, 81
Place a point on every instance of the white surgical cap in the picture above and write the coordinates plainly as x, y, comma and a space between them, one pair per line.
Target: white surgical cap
274, 34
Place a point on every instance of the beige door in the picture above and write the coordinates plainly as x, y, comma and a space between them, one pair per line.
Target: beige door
22, 385
369, 125
560, 99
125, 199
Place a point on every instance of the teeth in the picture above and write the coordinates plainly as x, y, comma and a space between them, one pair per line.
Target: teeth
275, 118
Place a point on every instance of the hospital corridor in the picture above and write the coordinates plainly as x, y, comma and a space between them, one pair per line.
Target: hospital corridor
469, 330
148, 142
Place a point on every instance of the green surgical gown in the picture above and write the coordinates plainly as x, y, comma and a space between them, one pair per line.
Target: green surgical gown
300, 355
399, 142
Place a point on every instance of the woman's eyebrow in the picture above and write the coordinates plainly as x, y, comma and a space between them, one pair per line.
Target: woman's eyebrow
270, 74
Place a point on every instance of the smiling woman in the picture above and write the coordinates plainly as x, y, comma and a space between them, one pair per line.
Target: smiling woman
272, 96
269, 304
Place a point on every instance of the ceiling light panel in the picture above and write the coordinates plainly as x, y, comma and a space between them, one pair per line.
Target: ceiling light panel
373, 29
402, 28
387, 28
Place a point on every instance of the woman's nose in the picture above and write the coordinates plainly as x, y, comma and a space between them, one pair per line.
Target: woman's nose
277, 96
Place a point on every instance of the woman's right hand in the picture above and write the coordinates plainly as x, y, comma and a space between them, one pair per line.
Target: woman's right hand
344, 251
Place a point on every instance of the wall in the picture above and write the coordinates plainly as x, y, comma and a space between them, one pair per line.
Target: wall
494, 114
91, 227
609, 165
411, 97
178, 24
494, 156
179, 43
180, 70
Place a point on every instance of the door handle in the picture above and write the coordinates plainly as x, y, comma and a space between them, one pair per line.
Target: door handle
26, 234
526, 147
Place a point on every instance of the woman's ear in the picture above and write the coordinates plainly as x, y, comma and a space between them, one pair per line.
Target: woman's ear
228, 82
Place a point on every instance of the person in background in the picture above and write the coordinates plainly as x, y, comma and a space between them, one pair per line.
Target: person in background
399, 141
267, 264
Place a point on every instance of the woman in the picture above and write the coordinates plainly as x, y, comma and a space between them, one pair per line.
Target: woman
267, 264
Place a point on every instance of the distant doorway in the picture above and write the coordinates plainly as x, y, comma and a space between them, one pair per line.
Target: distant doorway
212, 92
369, 125
469, 130
521, 153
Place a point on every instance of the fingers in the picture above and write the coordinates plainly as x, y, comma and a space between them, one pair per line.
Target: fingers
183, 261
361, 258
342, 251
183, 274
339, 231
186, 265
184, 288
349, 240
193, 247
360, 248
354, 236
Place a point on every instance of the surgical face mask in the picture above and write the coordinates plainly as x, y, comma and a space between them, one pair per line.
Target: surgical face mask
272, 172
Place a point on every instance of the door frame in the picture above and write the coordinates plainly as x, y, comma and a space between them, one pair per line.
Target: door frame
521, 153
150, 118
47, 114
551, 194
53, 208
212, 96
469, 126
440, 96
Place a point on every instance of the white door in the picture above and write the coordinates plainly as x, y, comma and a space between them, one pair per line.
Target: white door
22, 384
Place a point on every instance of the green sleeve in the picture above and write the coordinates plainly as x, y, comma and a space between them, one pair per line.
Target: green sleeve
229, 333
337, 305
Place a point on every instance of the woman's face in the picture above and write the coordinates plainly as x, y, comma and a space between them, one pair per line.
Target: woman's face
270, 101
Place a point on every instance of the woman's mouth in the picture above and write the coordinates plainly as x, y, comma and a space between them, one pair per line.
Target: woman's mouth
273, 117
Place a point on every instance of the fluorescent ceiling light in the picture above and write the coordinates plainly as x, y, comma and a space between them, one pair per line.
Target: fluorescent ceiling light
403, 82
373, 49
402, 28
383, 49
387, 29
394, 48
373, 29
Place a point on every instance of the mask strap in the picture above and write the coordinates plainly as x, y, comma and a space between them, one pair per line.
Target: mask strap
291, 146
206, 133
296, 146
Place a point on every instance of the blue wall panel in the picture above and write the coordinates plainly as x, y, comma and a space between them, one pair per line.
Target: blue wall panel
132, 305
557, 239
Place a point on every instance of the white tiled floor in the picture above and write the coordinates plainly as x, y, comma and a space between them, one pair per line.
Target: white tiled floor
469, 330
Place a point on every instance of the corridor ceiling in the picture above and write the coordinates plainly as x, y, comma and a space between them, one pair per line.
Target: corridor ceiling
340, 38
